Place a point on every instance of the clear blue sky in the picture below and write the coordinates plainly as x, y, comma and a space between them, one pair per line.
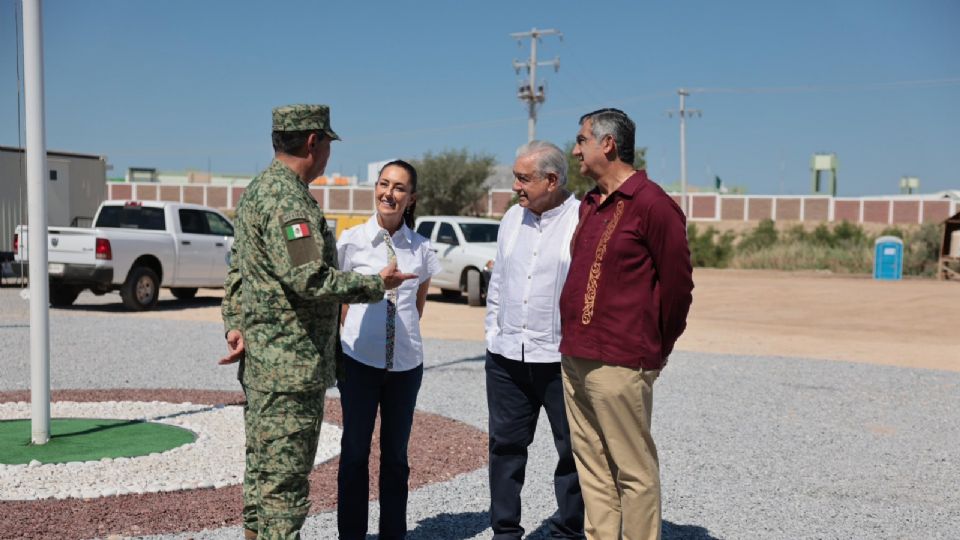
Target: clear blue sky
179, 84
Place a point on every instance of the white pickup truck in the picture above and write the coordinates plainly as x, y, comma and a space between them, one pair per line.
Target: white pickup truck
137, 248
466, 247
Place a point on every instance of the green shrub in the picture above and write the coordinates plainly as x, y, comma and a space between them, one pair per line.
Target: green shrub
892, 231
843, 234
764, 236
922, 250
821, 236
846, 234
710, 249
796, 234
844, 248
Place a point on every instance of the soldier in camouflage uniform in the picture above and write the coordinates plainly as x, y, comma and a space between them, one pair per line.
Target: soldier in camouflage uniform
280, 310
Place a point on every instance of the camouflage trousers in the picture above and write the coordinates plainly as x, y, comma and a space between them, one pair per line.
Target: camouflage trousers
282, 431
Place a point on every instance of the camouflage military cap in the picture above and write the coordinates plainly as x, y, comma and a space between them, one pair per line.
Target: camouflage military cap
303, 118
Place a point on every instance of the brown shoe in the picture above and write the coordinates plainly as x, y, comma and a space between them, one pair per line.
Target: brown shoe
249, 535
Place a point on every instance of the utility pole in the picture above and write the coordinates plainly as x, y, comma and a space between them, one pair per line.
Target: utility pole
530, 92
683, 113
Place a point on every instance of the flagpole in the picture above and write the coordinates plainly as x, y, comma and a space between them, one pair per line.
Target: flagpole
37, 220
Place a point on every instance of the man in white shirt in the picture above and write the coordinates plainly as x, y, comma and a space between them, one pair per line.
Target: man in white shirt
523, 336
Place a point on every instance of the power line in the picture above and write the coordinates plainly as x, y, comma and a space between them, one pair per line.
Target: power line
439, 129
921, 83
916, 83
574, 70
503, 121
608, 103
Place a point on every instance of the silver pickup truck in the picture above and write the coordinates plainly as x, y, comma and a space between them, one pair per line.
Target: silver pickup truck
137, 248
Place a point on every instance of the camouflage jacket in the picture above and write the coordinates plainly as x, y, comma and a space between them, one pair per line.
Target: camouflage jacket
283, 289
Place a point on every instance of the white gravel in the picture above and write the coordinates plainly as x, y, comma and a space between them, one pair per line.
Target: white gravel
213, 460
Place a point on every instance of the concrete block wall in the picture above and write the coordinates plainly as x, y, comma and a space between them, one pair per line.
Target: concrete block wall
703, 206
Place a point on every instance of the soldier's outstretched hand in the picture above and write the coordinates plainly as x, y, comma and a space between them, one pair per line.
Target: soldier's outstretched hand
392, 277
235, 348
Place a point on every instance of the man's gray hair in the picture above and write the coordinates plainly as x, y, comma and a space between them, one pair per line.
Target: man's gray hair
550, 159
614, 123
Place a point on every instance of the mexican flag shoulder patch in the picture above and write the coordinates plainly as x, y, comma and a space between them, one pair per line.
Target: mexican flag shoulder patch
297, 230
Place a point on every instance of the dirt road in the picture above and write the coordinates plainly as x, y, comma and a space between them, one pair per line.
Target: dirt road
911, 323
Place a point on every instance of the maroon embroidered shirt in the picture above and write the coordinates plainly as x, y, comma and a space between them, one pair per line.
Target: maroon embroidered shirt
629, 288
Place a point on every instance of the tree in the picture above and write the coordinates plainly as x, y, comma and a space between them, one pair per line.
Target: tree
579, 184
451, 182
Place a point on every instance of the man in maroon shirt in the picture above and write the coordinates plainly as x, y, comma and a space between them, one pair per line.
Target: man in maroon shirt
623, 306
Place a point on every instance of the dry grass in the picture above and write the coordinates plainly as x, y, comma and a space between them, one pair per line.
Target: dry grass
841, 248
803, 256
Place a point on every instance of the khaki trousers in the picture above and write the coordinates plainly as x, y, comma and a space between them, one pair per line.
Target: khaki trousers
609, 409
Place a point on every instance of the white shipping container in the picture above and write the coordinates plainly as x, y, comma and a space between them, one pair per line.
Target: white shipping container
76, 185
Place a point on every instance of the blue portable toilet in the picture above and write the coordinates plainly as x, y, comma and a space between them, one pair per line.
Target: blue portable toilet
888, 258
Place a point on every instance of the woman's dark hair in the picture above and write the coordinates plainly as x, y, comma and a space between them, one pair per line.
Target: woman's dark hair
408, 214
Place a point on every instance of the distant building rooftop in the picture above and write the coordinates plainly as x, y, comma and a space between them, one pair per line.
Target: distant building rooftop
147, 174
57, 153
949, 194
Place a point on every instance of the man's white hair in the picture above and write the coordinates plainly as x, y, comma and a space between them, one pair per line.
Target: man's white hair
550, 159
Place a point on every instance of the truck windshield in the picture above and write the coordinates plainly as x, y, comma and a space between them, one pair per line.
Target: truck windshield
480, 232
131, 217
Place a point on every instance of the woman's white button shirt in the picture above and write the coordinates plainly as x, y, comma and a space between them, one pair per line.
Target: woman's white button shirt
364, 333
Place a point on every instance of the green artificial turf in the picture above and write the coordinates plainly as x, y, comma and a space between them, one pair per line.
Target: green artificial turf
88, 439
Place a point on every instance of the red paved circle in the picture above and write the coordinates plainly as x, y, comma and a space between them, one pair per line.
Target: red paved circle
440, 448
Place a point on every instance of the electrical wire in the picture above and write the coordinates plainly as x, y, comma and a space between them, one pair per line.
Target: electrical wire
424, 131
917, 83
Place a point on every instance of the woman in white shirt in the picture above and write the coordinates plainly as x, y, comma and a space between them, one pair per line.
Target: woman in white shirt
382, 355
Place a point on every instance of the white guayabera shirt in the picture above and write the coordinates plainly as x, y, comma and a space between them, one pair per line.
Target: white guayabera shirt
523, 298
364, 333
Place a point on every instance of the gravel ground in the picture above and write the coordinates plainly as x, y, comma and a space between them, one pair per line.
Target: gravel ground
214, 460
750, 447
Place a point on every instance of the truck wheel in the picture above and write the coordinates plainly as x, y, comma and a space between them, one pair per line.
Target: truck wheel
183, 293
141, 289
474, 294
63, 295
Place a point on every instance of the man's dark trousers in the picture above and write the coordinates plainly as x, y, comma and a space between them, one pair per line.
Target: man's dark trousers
516, 390
363, 390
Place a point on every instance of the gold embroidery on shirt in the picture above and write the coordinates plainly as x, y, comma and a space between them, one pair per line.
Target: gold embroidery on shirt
590, 297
